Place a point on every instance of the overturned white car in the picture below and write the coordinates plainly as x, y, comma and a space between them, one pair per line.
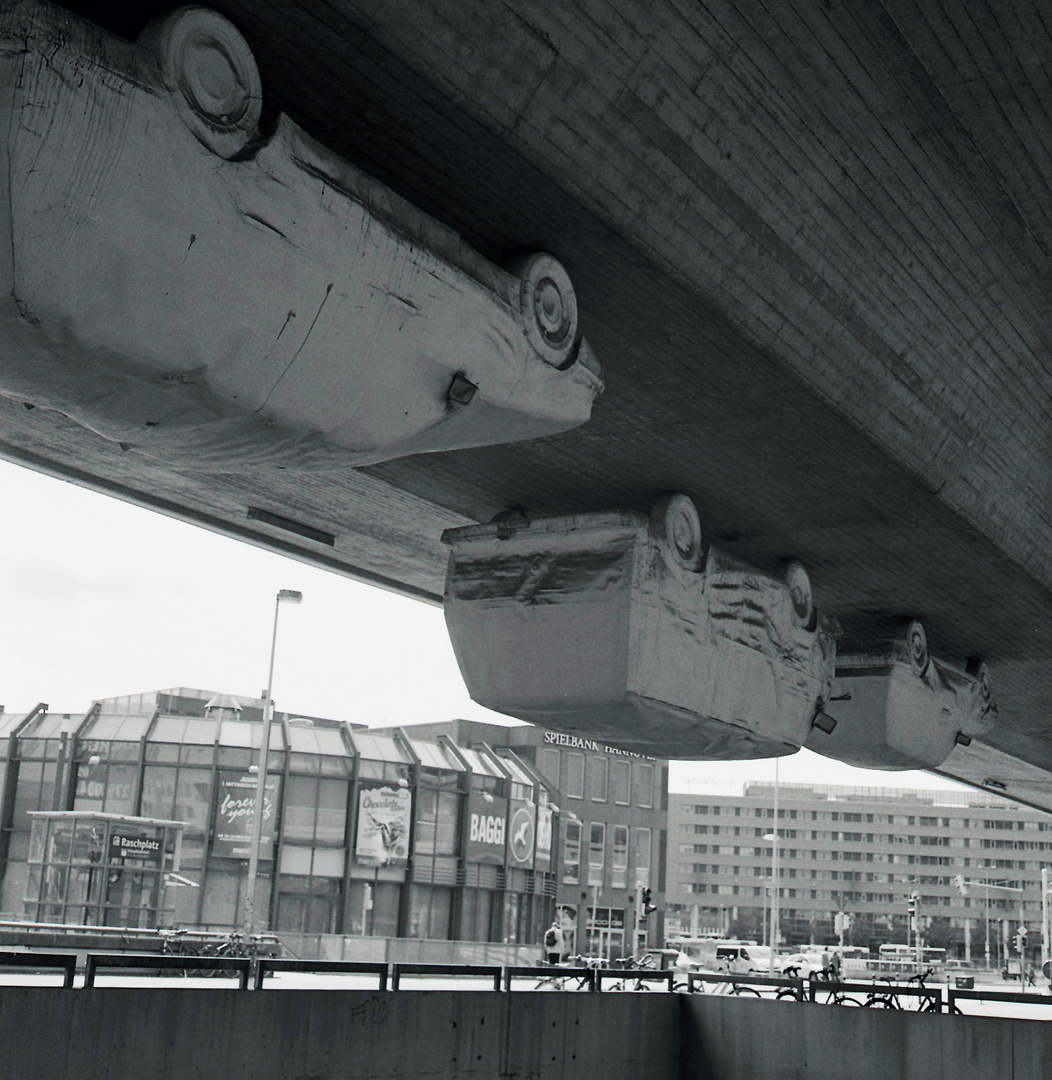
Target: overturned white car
224, 296
899, 707
618, 627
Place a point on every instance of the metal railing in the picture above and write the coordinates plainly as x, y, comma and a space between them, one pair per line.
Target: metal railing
322, 967
41, 961
491, 971
250, 972
238, 967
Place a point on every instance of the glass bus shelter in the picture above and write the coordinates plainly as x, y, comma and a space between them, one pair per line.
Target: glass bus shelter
95, 869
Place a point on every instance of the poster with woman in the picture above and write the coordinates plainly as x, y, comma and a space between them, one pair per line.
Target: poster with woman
384, 814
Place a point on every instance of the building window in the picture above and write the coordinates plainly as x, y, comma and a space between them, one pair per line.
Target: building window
575, 776
315, 810
596, 852
643, 843
436, 822
548, 763
572, 853
598, 772
620, 782
619, 863
644, 783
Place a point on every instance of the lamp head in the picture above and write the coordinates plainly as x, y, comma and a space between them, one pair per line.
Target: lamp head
291, 595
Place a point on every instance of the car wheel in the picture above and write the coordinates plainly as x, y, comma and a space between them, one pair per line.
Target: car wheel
674, 520
548, 305
795, 575
211, 76
979, 670
917, 646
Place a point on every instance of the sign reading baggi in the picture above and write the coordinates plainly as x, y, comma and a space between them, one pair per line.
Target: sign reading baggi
487, 829
522, 833
384, 814
145, 849
235, 811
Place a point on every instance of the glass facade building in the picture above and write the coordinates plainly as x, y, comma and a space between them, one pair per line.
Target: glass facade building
365, 833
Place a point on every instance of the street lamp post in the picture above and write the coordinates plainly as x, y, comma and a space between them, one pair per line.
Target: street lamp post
292, 597
773, 837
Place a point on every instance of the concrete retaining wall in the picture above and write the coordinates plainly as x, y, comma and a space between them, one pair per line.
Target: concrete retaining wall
116, 1033
742, 1039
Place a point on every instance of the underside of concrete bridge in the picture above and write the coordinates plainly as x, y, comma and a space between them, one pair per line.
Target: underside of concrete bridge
809, 250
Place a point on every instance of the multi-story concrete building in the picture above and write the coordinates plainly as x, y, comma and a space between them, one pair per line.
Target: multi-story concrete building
849, 858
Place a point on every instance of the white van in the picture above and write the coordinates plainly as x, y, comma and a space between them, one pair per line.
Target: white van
744, 959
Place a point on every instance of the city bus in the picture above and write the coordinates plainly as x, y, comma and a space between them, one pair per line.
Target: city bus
904, 958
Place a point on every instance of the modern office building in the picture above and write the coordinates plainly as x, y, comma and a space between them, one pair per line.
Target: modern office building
613, 820
365, 834
849, 859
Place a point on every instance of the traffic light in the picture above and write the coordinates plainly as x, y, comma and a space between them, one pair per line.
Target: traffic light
911, 908
648, 907
962, 885
1020, 940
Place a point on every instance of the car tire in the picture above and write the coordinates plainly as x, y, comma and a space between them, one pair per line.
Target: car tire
210, 75
917, 647
978, 669
548, 305
795, 575
674, 520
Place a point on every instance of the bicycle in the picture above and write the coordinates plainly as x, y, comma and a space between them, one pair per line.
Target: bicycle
886, 999
644, 962
560, 982
834, 989
796, 992
929, 999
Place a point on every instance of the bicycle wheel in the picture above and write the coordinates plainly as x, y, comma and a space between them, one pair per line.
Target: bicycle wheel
745, 991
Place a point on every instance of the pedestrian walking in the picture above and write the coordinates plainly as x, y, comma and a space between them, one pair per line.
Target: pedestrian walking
553, 943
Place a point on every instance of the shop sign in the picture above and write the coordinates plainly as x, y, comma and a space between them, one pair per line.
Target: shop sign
487, 829
384, 814
145, 849
235, 812
559, 738
522, 833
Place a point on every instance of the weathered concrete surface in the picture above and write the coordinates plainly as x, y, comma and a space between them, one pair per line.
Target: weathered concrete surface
176, 1034
738, 1039
126, 1034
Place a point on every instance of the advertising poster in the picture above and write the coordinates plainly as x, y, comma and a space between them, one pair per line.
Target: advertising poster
235, 810
487, 829
522, 833
384, 814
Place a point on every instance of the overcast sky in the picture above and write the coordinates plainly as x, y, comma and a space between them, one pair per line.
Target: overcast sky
101, 598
